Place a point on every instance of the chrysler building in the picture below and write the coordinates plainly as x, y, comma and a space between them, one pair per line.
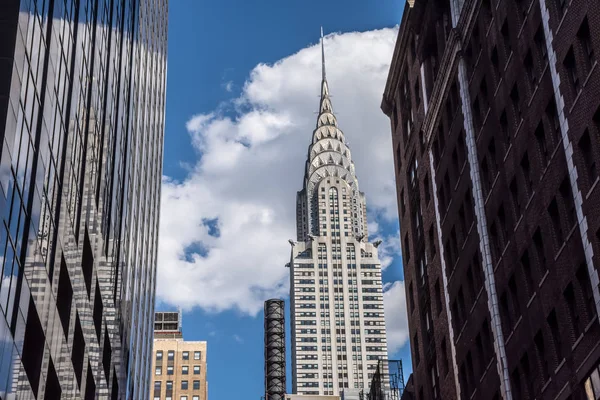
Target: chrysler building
338, 326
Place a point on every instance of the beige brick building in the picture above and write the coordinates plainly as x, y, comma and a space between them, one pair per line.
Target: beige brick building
178, 367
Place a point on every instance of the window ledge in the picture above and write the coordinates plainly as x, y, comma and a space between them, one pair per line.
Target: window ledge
530, 301
560, 365
498, 86
514, 329
518, 222
485, 118
510, 146
579, 339
589, 193
544, 278
562, 18
585, 82
547, 384
508, 60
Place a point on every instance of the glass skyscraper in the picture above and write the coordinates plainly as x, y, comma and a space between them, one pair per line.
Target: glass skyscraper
82, 100
338, 325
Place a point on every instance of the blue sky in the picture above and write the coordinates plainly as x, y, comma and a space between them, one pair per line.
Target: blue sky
243, 85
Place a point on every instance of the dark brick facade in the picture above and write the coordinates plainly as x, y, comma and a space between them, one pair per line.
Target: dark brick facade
496, 131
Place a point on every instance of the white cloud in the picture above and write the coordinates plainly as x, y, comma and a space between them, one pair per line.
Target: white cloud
224, 227
238, 339
228, 86
396, 321
389, 249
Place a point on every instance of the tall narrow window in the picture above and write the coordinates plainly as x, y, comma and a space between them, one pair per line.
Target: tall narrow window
540, 251
526, 171
495, 65
554, 214
506, 40
556, 339
567, 199
574, 317
540, 44
583, 280
542, 356
516, 103
527, 273
554, 121
586, 150
571, 70
587, 47
540, 137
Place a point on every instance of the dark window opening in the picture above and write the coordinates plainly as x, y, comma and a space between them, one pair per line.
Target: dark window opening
586, 149
97, 313
64, 296
556, 339
574, 317
572, 73
554, 214
542, 144
33, 346
87, 262
587, 47
90, 386
78, 350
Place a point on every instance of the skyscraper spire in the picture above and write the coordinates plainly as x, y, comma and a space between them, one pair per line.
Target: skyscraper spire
323, 56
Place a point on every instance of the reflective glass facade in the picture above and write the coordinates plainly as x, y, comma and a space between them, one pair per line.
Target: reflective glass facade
82, 99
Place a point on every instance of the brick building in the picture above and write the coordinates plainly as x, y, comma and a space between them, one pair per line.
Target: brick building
178, 366
494, 108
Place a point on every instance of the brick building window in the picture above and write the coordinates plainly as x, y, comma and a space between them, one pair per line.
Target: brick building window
540, 45
516, 104
552, 321
586, 46
583, 280
495, 65
527, 273
540, 251
514, 196
586, 148
554, 214
553, 121
506, 40
444, 358
530, 71
572, 73
542, 145
527, 175
542, 357
574, 316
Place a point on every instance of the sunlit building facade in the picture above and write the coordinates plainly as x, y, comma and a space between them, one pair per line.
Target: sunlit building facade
338, 326
82, 98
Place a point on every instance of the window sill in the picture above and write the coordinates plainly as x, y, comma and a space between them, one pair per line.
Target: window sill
579, 339
585, 82
566, 240
514, 329
508, 60
498, 86
562, 18
560, 365
485, 118
530, 301
544, 278
589, 193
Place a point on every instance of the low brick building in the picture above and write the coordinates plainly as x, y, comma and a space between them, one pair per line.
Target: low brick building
178, 366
